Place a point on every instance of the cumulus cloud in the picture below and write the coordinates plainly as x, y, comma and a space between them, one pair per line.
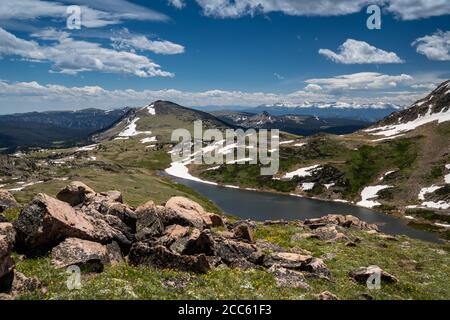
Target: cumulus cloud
179, 4
360, 52
127, 41
71, 56
435, 46
94, 14
26, 96
361, 81
403, 9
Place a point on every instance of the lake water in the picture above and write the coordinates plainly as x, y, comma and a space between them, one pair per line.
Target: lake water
262, 206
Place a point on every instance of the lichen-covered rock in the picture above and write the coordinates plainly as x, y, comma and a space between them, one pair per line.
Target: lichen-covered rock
346, 221
361, 274
186, 212
88, 255
7, 229
113, 195
148, 221
6, 264
7, 201
287, 260
47, 221
75, 193
160, 257
195, 242
243, 232
286, 278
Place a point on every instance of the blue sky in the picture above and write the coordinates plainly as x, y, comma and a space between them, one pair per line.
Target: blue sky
219, 52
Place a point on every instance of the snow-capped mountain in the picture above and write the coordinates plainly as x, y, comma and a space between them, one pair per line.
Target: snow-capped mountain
364, 112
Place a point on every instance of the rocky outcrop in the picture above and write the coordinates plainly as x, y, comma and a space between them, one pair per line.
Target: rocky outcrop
286, 278
347, 221
7, 201
47, 221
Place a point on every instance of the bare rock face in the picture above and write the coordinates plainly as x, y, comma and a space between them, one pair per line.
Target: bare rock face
7, 201
186, 212
361, 274
88, 255
286, 278
160, 257
75, 193
47, 221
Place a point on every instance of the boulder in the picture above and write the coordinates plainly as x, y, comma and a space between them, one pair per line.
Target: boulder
346, 221
195, 242
21, 284
361, 274
173, 233
148, 221
7, 229
328, 233
6, 265
186, 212
7, 201
122, 211
75, 193
317, 268
326, 295
47, 221
113, 195
160, 257
3, 218
287, 260
243, 232
229, 250
114, 253
216, 220
286, 278
88, 255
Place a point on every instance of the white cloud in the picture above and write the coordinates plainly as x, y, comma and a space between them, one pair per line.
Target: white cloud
360, 52
418, 9
71, 56
127, 41
105, 13
179, 4
26, 96
361, 81
313, 87
403, 9
434, 47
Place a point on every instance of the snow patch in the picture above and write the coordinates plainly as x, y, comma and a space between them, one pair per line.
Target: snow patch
87, 148
148, 140
131, 131
425, 191
369, 194
302, 172
392, 130
307, 186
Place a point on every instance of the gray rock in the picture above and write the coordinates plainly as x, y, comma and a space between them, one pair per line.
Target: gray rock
75, 193
286, 278
7, 201
361, 274
160, 257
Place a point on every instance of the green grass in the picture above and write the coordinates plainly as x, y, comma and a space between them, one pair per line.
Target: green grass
426, 279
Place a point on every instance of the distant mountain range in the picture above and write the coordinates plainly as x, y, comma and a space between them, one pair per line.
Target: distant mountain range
354, 111
295, 124
54, 128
